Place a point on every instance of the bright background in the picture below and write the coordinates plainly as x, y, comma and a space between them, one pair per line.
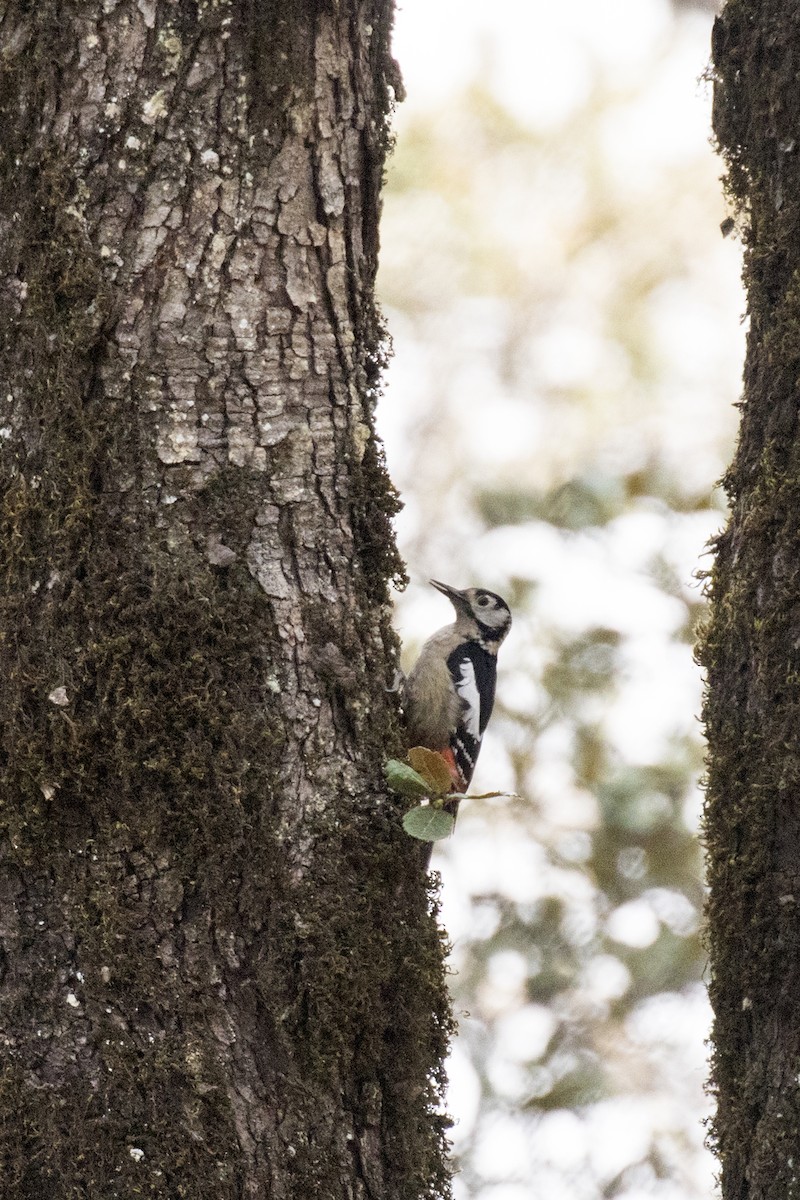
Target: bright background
568, 345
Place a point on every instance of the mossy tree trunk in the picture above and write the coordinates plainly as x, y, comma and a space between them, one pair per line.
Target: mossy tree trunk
219, 972
752, 646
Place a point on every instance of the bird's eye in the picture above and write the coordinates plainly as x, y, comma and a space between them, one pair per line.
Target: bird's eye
483, 601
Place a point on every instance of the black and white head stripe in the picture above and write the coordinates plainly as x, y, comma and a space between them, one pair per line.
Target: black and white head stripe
490, 613
474, 674
480, 614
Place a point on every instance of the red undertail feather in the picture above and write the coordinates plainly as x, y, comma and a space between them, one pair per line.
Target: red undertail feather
459, 783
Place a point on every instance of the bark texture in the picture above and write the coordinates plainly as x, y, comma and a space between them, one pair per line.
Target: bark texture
219, 971
752, 645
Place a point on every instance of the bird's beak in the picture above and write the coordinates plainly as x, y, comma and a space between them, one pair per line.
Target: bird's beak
456, 598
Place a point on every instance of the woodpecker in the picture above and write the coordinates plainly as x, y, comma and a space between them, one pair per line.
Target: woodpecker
448, 696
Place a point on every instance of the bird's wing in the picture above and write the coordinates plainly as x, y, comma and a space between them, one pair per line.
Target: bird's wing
474, 673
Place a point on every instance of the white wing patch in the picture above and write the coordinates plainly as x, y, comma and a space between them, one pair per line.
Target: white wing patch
467, 689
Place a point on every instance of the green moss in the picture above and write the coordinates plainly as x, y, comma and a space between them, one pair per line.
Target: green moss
751, 647
191, 1156
370, 1006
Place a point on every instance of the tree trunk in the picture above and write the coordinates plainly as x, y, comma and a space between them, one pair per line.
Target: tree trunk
219, 971
752, 646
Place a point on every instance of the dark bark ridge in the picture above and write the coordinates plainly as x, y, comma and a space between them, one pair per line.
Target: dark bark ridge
751, 648
219, 973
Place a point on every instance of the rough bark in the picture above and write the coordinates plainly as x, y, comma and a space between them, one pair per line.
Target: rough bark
219, 971
752, 645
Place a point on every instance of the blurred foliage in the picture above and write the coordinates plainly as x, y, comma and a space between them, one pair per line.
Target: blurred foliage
591, 499
567, 356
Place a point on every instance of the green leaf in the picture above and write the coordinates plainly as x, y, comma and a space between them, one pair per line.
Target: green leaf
433, 769
404, 779
427, 823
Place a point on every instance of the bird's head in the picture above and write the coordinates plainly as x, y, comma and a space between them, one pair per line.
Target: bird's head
481, 616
